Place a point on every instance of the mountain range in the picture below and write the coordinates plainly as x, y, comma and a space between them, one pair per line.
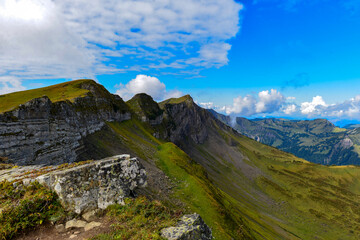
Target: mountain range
242, 188
317, 141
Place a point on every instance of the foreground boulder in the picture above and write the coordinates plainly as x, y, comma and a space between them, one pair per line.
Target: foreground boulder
190, 227
97, 184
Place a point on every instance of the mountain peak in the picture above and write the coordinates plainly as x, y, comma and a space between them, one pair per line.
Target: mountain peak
145, 107
184, 99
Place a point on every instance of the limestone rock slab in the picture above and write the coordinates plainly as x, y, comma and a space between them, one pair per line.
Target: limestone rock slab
97, 184
190, 227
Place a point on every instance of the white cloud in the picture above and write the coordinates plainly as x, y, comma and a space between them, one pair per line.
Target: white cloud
273, 103
290, 109
172, 94
76, 38
266, 102
211, 55
269, 101
35, 43
349, 108
146, 84
243, 106
314, 106
10, 84
207, 105
319, 108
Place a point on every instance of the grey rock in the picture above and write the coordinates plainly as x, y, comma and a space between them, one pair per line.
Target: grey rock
60, 228
90, 216
97, 184
190, 227
187, 122
75, 223
43, 132
92, 225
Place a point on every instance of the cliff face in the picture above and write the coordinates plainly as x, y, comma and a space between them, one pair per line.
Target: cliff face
45, 132
185, 121
146, 109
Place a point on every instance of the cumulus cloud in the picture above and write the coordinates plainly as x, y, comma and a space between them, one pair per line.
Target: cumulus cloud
269, 101
211, 105
290, 109
319, 108
266, 102
274, 103
207, 105
349, 109
149, 85
77, 38
314, 107
243, 106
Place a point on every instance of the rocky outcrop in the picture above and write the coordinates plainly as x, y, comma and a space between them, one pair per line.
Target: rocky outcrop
146, 108
97, 184
185, 120
45, 132
190, 227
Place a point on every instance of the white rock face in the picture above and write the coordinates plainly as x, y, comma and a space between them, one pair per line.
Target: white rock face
97, 184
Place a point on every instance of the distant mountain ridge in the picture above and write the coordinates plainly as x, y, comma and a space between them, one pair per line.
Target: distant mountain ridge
318, 140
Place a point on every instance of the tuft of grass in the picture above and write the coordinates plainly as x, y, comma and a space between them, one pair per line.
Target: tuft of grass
59, 92
139, 218
26, 207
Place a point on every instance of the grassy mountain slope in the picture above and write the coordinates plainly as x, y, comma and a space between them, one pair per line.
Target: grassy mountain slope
58, 92
269, 193
243, 189
278, 193
191, 185
318, 140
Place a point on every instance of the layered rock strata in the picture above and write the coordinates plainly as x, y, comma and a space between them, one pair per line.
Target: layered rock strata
45, 132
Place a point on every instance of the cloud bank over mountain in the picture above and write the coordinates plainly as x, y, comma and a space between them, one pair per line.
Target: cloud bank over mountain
274, 103
149, 85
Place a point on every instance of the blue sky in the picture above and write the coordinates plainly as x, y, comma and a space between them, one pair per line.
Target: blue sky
255, 58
